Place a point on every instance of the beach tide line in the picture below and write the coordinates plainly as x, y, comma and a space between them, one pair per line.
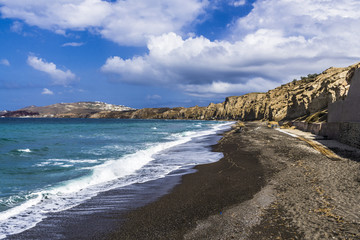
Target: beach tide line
315, 145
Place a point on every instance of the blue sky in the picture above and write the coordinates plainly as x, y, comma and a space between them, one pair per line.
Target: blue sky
156, 53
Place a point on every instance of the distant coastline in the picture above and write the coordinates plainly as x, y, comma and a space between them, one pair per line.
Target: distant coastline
298, 99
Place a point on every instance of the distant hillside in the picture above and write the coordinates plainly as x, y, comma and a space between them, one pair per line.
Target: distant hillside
68, 110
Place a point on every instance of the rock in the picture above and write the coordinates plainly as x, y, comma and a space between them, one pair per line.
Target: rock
289, 101
20, 113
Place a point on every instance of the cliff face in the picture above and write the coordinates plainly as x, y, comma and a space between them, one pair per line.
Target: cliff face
289, 101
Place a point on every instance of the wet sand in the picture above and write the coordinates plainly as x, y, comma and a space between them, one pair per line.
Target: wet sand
269, 185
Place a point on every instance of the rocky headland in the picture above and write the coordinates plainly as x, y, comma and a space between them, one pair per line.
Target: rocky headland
66, 110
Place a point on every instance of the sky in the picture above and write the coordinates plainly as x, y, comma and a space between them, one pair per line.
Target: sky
167, 53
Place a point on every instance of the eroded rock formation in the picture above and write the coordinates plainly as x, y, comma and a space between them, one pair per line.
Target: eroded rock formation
292, 100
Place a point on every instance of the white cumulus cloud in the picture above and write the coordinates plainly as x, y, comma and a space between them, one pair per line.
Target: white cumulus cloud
278, 41
59, 77
5, 62
47, 92
127, 22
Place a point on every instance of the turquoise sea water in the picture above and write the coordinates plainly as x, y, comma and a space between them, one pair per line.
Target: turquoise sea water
49, 165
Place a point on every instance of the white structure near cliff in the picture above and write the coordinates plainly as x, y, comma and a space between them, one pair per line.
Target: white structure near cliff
344, 116
347, 110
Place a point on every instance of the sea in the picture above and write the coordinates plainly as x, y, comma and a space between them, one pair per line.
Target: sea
53, 165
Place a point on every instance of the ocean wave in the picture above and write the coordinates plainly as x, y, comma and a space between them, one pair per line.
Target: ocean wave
27, 150
66, 165
65, 162
34, 151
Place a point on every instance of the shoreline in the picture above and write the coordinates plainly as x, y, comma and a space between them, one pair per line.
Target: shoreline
269, 185
209, 191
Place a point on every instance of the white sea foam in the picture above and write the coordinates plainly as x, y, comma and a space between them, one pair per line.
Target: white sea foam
24, 150
75, 160
116, 168
16, 210
66, 162
67, 165
58, 163
42, 164
83, 161
132, 168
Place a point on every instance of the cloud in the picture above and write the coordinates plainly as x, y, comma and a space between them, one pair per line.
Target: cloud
126, 22
153, 97
199, 66
4, 62
224, 88
60, 77
307, 18
238, 3
47, 92
278, 41
16, 27
73, 44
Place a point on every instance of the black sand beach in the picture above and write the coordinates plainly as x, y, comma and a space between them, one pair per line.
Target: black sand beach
268, 186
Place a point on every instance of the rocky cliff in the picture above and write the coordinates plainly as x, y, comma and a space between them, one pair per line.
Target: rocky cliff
299, 98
